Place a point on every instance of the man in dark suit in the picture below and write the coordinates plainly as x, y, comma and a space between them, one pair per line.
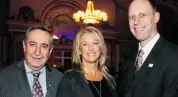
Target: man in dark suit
155, 72
32, 77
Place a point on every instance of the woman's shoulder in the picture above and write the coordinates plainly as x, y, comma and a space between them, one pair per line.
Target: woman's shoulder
70, 74
73, 76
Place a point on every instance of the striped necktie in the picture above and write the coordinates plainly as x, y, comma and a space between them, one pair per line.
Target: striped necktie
139, 60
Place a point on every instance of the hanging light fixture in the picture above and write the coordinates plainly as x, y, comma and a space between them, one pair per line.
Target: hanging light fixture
90, 16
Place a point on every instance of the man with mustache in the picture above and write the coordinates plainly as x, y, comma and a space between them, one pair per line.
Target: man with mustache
153, 70
32, 77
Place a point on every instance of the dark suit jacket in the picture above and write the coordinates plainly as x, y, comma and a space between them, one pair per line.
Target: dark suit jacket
73, 84
160, 80
14, 82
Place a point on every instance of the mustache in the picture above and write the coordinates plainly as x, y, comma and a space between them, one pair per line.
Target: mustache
33, 55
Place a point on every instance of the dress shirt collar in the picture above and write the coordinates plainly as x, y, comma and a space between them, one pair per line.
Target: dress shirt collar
148, 47
29, 70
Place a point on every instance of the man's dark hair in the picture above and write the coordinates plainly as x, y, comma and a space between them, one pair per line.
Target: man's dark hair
153, 5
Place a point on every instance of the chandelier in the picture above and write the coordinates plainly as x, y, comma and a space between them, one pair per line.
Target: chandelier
90, 16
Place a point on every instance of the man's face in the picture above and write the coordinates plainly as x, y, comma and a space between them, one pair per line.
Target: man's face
37, 49
142, 20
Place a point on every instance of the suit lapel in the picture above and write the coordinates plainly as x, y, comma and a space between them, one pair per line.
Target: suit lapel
144, 72
48, 82
23, 81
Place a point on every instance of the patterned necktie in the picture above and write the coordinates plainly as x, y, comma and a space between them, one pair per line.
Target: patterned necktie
37, 89
139, 60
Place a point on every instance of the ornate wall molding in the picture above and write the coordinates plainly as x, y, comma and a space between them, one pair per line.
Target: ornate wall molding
66, 4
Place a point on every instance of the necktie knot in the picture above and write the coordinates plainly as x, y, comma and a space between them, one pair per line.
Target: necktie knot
36, 74
140, 53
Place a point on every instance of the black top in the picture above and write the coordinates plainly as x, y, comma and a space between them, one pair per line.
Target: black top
74, 84
99, 88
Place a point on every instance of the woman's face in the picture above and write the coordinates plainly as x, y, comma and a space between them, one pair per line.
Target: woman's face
89, 48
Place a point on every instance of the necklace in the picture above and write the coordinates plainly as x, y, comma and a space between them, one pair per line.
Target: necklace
98, 91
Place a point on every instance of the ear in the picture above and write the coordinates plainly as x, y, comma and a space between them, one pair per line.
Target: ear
156, 17
24, 45
51, 49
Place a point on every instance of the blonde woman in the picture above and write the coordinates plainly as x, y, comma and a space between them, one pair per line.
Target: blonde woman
89, 76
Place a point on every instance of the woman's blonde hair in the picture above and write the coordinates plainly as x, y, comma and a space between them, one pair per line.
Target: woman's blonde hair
76, 57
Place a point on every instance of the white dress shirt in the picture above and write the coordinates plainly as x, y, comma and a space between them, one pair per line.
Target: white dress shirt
148, 47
